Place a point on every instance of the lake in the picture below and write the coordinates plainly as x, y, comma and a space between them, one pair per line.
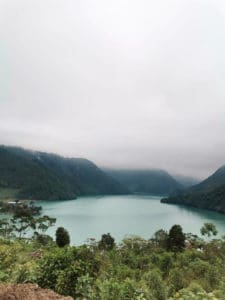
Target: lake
90, 217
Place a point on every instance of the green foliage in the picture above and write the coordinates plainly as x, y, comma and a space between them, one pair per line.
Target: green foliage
6, 228
42, 176
111, 289
50, 266
155, 182
156, 285
135, 269
107, 242
23, 223
160, 238
69, 271
176, 239
62, 237
208, 229
208, 194
194, 292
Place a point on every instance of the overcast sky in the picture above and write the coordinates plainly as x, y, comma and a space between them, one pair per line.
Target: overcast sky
124, 83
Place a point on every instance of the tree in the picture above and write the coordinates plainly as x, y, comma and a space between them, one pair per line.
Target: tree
107, 242
176, 239
5, 228
22, 222
62, 237
208, 229
160, 238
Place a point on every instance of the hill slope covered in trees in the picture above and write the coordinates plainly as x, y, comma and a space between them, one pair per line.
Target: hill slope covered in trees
157, 182
209, 194
39, 175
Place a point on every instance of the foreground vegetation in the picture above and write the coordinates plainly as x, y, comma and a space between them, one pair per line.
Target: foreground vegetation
167, 266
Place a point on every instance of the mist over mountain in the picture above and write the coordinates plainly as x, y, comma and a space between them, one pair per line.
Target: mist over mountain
186, 181
209, 194
39, 175
127, 84
157, 182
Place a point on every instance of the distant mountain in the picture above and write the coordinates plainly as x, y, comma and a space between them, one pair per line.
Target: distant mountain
157, 182
186, 181
39, 175
215, 180
209, 194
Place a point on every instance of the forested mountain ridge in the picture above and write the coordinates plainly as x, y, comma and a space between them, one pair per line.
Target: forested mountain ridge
157, 182
209, 194
215, 180
39, 175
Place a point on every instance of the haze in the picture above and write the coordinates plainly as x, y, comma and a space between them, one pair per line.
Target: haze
126, 84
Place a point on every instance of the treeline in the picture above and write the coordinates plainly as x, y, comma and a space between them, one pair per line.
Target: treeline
170, 265
44, 176
209, 194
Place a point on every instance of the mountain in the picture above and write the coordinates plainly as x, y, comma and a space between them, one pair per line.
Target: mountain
157, 182
215, 180
209, 194
39, 175
186, 181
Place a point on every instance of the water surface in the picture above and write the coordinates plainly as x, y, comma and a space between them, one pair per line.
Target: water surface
90, 217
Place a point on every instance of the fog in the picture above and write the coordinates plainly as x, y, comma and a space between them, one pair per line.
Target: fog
126, 84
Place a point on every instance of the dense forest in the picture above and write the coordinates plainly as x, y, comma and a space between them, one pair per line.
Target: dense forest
169, 265
209, 194
42, 176
155, 182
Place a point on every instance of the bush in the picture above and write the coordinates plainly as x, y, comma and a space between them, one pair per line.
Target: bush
62, 237
107, 242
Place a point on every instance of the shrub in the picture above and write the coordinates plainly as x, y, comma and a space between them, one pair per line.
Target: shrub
62, 237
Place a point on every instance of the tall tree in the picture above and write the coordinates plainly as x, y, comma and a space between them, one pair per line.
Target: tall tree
176, 239
22, 222
107, 242
62, 237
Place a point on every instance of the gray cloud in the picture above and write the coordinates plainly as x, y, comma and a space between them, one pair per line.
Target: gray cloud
123, 83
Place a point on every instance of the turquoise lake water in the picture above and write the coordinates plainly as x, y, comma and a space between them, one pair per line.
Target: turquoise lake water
90, 217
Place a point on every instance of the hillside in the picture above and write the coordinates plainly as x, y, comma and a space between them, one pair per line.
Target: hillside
209, 194
186, 181
215, 180
157, 182
39, 175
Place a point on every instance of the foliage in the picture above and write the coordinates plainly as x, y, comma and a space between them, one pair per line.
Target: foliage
62, 237
42, 176
19, 208
107, 242
155, 182
23, 223
208, 229
208, 194
176, 239
160, 237
136, 269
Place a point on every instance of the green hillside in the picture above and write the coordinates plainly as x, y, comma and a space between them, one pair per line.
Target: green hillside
39, 175
209, 194
157, 182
